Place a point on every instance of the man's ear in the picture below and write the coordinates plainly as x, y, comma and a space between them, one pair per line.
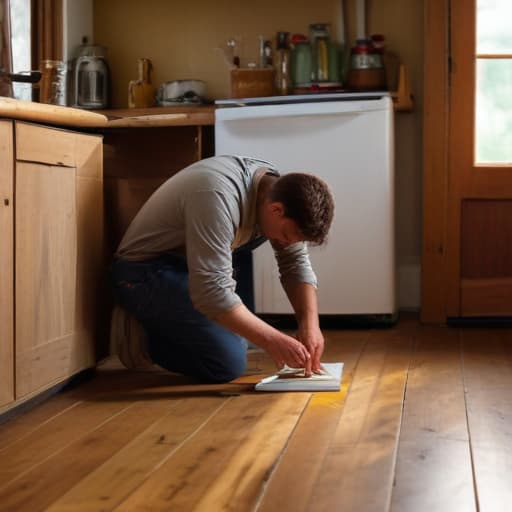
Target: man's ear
277, 208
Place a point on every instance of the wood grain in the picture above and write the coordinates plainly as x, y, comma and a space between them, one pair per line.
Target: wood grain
46, 254
488, 380
20, 426
90, 262
486, 239
461, 139
476, 190
60, 258
134, 463
486, 297
92, 285
361, 455
435, 161
421, 423
434, 451
241, 442
50, 146
304, 453
53, 436
89, 155
6, 263
201, 115
50, 114
42, 485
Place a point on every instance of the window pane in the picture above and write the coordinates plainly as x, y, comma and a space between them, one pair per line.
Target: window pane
493, 111
494, 33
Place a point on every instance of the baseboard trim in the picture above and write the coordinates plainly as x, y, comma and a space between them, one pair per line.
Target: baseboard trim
24, 405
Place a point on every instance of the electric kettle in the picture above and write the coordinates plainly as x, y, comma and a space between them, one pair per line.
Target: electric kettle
92, 78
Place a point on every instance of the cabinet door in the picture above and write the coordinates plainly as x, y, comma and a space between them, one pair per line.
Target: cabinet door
6, 264
45, 275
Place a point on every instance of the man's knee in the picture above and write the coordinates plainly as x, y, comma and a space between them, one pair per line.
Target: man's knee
228, 366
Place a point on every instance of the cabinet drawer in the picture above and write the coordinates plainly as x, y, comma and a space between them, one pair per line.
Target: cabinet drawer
45, 145
39, 144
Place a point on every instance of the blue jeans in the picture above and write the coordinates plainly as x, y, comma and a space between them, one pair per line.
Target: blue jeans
180, 338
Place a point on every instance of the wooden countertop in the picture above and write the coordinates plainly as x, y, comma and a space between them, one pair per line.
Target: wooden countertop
50, 114
101, 119
160, 116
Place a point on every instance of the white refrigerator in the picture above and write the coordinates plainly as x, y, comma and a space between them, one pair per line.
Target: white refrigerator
347, 140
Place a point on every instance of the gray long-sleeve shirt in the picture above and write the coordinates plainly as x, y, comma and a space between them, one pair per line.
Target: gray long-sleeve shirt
202, 211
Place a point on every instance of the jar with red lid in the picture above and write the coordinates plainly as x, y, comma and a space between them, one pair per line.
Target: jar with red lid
365, 56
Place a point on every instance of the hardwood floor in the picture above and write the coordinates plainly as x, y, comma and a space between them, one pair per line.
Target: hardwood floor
423, 422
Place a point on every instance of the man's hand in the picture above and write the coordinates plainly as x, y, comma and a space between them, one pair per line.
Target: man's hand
287, 350
313, 339
304, 301
283, 349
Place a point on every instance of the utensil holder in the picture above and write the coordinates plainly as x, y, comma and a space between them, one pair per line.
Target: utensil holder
252, 82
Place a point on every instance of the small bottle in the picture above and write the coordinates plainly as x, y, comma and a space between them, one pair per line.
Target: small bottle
282, 64
319, 35
141, 93
267, 50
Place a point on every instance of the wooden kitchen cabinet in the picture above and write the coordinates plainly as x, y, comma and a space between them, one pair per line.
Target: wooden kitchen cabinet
58, 254
6, 265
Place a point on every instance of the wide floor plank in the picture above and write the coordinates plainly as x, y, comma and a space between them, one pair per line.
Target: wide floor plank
53, 436
302, 459
39, 487
25, 423
107, 486
226, 462
434, 450
488, 381
358, 468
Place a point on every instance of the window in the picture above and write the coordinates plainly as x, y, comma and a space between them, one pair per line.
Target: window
493, 127
21, 45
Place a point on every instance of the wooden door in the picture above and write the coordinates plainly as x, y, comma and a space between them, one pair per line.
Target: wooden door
46, 254
6, 264
479, 221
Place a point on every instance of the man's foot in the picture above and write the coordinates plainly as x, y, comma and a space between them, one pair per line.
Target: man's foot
128, 340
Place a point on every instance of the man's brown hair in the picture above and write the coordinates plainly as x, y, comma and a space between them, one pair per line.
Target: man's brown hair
308, 201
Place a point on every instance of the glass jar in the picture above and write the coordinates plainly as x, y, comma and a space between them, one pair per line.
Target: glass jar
301, 64
365, 56
52, 88
282, 64
319, 37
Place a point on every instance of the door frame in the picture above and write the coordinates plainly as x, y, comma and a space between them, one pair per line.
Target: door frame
436, 117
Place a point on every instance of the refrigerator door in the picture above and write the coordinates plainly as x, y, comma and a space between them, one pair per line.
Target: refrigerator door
350, 146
